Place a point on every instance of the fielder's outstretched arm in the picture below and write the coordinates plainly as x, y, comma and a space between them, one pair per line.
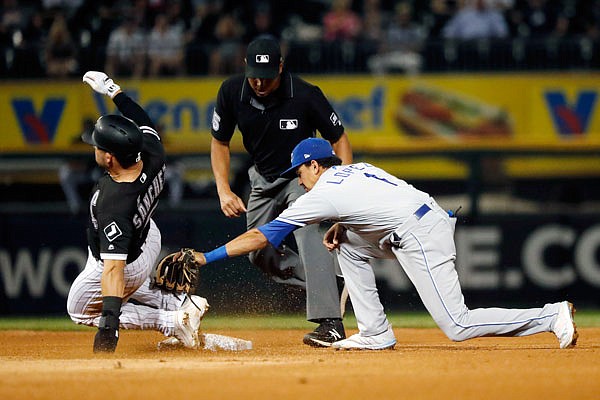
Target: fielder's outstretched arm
245, 243
255, 239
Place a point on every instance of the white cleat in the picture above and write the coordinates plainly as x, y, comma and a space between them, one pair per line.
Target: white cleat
187, 320
382, 341
564, 326
170, 343
200, 302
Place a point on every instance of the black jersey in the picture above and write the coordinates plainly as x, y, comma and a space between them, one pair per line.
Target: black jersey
273, 126
120, 212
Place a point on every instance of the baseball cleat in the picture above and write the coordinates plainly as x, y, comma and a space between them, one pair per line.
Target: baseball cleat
328, 331
199, 302
564, 326
187, 320
382, 341
170, 343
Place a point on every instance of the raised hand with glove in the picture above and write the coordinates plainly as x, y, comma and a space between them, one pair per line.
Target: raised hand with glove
101, 83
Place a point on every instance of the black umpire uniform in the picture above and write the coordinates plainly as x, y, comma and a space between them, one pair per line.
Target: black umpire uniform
271, 126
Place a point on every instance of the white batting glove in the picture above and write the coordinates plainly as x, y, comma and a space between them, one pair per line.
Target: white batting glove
101, 83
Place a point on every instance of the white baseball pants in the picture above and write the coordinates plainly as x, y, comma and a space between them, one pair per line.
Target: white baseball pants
425, 249
143, 308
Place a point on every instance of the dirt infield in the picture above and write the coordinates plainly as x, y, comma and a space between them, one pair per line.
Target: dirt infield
424, 365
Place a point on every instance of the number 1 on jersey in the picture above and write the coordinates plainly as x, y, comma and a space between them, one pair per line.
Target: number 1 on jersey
378, 178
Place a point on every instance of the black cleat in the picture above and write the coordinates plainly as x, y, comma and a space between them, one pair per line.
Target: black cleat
328, 331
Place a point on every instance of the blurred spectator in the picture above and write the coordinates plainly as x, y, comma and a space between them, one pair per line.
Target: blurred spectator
34, 32
12, 21
403, 41
12, 17
141, 12
165, 48
539, 18
125, 50
60, 52
588, 19
299, 29
175, 16
261, 23
201, 35
375, 19
440, 12
361, 23
68, 6
204, 21
28, 45
340, 22
228, 55
476, 20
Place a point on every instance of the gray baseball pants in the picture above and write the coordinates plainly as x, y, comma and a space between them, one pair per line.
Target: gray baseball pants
313, 267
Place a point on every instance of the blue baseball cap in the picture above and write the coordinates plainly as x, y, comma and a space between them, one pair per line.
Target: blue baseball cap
308, 150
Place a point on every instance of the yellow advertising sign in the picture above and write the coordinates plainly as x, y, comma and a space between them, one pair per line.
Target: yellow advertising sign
450, 111
432, 112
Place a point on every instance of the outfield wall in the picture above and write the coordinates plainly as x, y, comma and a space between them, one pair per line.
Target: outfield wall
508, 260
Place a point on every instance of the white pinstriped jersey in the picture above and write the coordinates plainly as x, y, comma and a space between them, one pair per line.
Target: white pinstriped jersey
363, 198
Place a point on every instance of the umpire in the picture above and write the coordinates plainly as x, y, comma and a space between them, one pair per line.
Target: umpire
275, 111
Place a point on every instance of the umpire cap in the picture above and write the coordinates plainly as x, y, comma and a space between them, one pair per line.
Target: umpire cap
117, 135
263, 57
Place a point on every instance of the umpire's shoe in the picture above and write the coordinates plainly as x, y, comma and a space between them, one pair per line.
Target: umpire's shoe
329, 330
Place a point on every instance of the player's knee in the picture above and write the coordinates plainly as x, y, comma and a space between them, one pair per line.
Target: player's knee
80, 314
78, 317
454, 335
453, 331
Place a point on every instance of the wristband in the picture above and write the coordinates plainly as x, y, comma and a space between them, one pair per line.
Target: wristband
107, 337
111, 309
220, 253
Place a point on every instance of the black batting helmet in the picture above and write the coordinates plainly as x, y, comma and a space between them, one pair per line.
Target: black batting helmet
117, 135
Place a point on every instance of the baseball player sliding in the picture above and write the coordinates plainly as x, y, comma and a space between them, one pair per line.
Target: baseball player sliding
381, 216
123, 240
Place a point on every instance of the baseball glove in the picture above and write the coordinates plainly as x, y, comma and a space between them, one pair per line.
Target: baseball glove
177, 273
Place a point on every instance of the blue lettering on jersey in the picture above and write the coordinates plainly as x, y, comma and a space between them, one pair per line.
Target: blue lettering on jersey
347, 170
379, 178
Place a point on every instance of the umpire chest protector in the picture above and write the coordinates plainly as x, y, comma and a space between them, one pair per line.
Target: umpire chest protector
272, 126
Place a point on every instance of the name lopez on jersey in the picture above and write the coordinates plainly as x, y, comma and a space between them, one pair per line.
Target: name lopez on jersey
147, 203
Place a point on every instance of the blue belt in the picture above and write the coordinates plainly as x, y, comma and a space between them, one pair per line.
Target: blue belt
421, 211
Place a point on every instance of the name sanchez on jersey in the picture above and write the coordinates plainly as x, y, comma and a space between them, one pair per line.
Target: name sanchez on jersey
146, 203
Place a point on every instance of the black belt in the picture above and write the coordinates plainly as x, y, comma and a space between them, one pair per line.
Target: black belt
421, 211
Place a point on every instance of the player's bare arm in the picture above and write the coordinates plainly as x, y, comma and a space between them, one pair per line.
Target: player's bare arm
245, 243
113, 281
220, 159
334, 236
343, 149
113, 287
